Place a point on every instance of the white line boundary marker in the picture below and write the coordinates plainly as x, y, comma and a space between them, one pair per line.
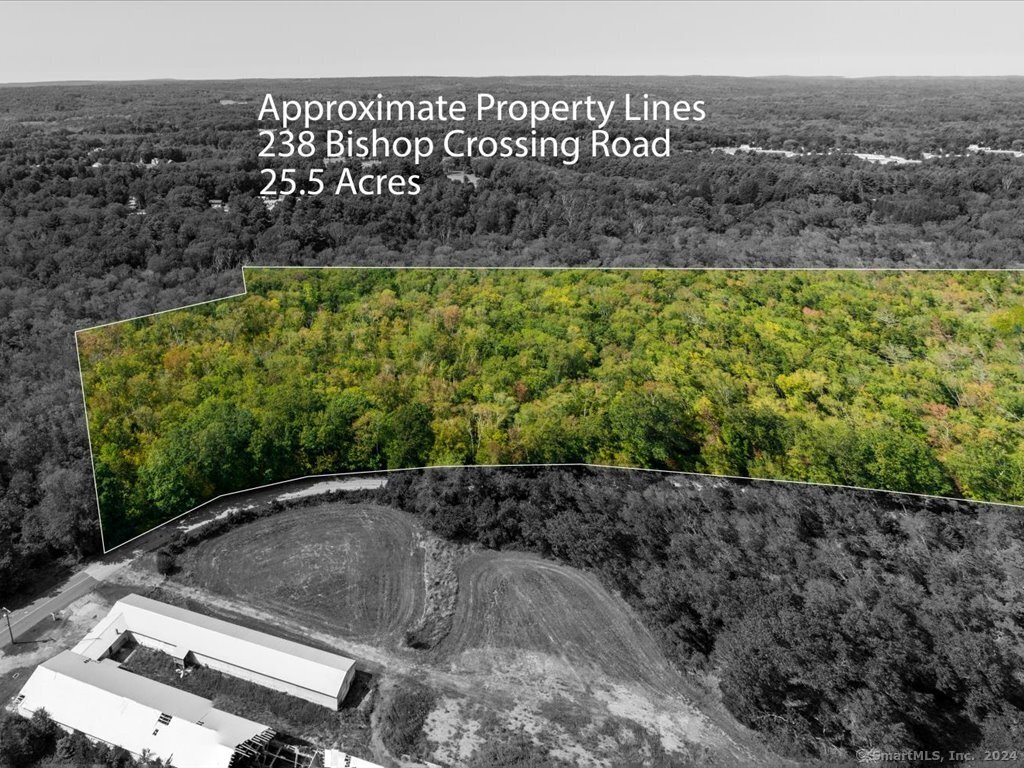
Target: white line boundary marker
535, 268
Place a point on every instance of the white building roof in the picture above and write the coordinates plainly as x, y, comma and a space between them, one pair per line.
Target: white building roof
335, 758
309, 668
101, 637
105, 702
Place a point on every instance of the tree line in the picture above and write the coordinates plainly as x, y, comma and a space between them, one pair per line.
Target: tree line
830, 619
900, 381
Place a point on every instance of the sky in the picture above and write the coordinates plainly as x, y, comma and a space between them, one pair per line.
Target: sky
55, 41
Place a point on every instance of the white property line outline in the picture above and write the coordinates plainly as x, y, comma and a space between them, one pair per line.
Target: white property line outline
708, 475
567, 465
88, 435
535, 268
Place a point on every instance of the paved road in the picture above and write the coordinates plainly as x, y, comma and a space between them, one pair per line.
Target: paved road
26, 618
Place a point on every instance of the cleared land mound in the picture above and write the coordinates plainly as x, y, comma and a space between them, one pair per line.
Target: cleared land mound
526, 643
356, 570
359, 570
518, 601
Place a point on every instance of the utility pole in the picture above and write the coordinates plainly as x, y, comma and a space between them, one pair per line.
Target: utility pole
7, 614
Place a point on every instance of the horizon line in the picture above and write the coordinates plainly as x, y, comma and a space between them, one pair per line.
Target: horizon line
219, 79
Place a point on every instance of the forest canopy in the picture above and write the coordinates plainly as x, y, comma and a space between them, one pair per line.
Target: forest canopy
107, 211
893, 380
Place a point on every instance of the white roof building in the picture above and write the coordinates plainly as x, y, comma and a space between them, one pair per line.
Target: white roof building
335, 758
84, 690
108, 704
104, 638
273, 662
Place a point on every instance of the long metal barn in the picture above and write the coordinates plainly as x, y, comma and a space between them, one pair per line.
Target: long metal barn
87, 691
108, 704
192, 638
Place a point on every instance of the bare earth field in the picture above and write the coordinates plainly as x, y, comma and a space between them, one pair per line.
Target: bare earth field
516, 642
350, 569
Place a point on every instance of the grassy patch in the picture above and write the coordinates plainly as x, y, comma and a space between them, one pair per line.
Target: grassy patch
565, 714
515, 749
402, 718
282, 712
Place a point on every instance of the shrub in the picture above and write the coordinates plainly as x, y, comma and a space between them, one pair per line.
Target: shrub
166, 563
402, 717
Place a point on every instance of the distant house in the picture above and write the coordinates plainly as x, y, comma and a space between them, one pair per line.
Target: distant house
464, 177
219, 205
990, 151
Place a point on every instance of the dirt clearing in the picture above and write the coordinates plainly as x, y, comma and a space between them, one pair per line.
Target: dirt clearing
525, 644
